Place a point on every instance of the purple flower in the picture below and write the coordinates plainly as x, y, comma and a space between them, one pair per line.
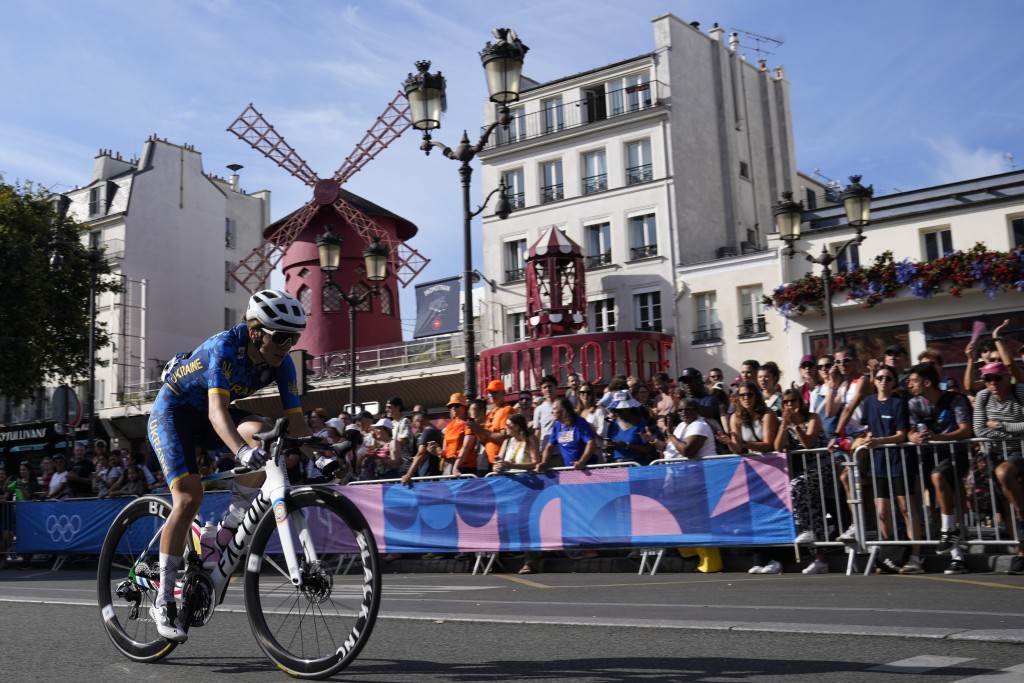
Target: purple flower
905, 271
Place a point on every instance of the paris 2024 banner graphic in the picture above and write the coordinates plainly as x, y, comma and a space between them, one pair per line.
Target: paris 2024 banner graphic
715, 502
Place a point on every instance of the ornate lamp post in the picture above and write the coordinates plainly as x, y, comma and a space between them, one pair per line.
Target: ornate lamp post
93, 257
503, 64
789, 215
328, 247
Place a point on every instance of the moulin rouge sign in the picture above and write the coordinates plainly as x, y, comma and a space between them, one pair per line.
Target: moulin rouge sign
595, 357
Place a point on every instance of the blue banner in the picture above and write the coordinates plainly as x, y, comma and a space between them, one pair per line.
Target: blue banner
437, 308
717, 502
79, 526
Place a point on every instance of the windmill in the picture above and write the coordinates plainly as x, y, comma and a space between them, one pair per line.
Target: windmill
252, 271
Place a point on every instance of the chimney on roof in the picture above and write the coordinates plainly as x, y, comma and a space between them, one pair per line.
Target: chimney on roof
716, 32
734, 41
233, 180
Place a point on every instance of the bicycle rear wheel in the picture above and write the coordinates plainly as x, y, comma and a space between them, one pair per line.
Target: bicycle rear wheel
127, 575
318, 628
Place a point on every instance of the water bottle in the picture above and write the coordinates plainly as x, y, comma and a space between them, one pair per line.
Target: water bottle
208, 543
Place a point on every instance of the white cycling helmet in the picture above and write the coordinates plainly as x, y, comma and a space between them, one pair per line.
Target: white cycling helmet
276, 311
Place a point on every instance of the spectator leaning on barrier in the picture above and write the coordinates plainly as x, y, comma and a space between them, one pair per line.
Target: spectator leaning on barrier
692, 438
946, 417
627, 432
429, 448
519, 450
571, 441
79, 473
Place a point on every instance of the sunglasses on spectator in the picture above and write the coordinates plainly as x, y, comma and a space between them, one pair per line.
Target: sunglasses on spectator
844, 361
745, 394
807, 365
885, 378
825, 366
282, 338
992, 378
585, 391
789, 401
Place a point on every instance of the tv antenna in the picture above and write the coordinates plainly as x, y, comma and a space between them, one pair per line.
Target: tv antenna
1011, 160
770, 43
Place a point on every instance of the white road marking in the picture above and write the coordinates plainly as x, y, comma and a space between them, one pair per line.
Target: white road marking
919, 665
1013, 674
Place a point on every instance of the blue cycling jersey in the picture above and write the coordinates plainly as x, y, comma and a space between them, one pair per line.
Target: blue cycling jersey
221, 365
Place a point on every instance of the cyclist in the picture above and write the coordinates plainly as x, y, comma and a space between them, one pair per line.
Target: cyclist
193, 409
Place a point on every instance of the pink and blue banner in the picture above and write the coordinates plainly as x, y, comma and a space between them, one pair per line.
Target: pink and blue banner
716, 502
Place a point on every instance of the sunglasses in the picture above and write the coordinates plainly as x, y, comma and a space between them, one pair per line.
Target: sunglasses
885, 378
825, 366
844, 361
585, 391
789, 401
282, 338
745, 395
992, 378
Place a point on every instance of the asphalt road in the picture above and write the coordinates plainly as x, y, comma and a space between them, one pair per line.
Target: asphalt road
578, 627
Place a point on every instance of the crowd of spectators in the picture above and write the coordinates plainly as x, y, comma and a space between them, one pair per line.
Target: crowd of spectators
885, 410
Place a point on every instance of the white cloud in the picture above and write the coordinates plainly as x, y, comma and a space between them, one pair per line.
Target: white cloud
953, 161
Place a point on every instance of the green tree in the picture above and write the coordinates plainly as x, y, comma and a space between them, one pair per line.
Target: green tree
44, 312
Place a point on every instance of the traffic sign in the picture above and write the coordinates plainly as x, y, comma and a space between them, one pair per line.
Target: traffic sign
66, 407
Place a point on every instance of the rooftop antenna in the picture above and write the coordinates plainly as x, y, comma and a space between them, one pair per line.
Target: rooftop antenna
1010, 160
770, 43
833, 188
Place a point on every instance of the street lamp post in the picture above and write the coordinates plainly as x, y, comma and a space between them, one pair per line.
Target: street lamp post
93, 257
503, 64
328, 247
789, 215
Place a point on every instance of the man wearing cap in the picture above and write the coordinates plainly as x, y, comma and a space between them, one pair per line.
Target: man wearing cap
492, 432
459, 455
402, 450
808, 377
709, 407
999, 414
896, 357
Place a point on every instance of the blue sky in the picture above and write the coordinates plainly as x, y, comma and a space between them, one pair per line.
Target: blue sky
909, 93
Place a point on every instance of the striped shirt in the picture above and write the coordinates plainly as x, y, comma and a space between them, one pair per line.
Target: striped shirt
1010, 412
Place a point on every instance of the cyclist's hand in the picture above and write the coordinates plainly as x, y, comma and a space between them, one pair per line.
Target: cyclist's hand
251, 457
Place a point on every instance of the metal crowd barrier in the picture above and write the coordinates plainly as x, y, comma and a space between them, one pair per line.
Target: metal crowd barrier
980, 518
7, 511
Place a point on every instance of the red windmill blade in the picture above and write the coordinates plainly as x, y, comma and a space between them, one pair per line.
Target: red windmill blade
251, 127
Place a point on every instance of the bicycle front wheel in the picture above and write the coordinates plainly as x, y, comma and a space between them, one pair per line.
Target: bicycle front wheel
127, 575
319, 627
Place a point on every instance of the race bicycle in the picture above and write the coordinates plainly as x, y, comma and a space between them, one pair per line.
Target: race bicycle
309, 617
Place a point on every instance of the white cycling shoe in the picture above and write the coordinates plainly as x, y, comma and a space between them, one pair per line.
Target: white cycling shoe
168, 624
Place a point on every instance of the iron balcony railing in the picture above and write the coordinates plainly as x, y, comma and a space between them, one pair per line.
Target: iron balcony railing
712, 333
551, 193
516, 201
595, 183
515, 274
576, 113
598, 260
646, 251
639, 174
753, 328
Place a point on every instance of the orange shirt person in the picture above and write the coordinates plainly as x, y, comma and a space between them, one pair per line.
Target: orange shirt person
492, 433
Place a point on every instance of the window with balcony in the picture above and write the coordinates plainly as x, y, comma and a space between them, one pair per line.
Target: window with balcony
638, 162
752, 312
937, 243
517, 124
599, 244
515, 260
643, 237
595, 172
551, 188
515, 328
648, 311
602, 315
514, 188
631, 93
554, 115
708, 329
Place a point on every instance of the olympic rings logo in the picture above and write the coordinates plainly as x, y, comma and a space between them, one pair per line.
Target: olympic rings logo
63, 528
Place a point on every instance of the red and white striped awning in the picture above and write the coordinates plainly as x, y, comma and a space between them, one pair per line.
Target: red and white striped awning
554, 242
